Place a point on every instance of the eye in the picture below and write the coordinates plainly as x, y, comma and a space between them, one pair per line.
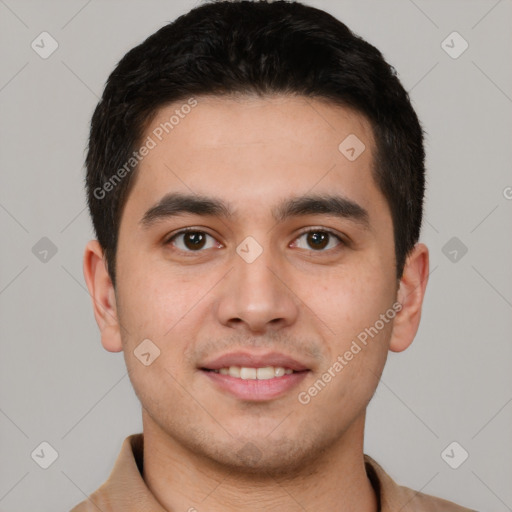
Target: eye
319, 239
194, 240
191, 240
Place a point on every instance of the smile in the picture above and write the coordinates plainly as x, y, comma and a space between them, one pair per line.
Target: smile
255, 384
247, 373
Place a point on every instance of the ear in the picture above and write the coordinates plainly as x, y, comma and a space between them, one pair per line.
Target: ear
103, 296
410, 295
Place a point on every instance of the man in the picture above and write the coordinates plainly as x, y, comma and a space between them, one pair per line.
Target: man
255, 176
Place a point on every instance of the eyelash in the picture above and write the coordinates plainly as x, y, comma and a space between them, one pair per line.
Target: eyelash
305, 232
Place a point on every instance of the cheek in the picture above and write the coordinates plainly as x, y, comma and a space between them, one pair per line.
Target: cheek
154, 301
357, 354
162, 307
352, 301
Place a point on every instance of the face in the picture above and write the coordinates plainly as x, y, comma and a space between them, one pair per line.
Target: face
287, 264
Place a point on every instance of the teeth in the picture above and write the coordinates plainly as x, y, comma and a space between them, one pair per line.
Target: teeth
248, 373
269, 372
245, 373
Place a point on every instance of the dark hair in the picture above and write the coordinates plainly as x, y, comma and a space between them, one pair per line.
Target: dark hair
263, 48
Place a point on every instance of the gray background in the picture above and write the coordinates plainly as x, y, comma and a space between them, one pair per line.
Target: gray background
57, 383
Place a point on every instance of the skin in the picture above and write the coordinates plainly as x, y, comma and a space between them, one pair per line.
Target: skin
254, 152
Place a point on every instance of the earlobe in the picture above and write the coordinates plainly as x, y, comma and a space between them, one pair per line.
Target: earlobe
411, 292
102, 294
111, 338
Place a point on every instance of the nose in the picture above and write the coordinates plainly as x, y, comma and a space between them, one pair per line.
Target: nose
256, 297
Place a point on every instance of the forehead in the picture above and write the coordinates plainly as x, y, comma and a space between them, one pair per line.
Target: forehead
255, 151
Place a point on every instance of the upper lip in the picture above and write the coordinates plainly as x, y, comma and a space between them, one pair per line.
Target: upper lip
253, 360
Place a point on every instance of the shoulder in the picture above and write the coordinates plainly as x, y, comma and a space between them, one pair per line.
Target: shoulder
420, 502
396, 497
125, 485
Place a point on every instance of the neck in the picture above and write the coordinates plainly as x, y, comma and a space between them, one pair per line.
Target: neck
182, 480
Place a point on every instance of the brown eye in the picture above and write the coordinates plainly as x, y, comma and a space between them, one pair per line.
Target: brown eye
191, 241
319, 239
194, 240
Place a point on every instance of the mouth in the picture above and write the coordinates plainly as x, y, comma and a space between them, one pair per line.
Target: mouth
248, 373
254, 377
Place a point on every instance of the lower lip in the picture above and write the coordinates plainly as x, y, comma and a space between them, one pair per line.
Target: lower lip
256, 390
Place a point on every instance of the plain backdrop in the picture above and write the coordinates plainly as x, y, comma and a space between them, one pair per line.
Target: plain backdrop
59, 386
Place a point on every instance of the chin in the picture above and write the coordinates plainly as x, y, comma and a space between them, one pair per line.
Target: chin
266, 460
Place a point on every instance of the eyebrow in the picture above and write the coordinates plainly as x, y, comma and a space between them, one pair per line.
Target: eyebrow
175, 204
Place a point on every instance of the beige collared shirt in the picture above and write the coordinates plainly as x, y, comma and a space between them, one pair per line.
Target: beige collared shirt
126, 491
